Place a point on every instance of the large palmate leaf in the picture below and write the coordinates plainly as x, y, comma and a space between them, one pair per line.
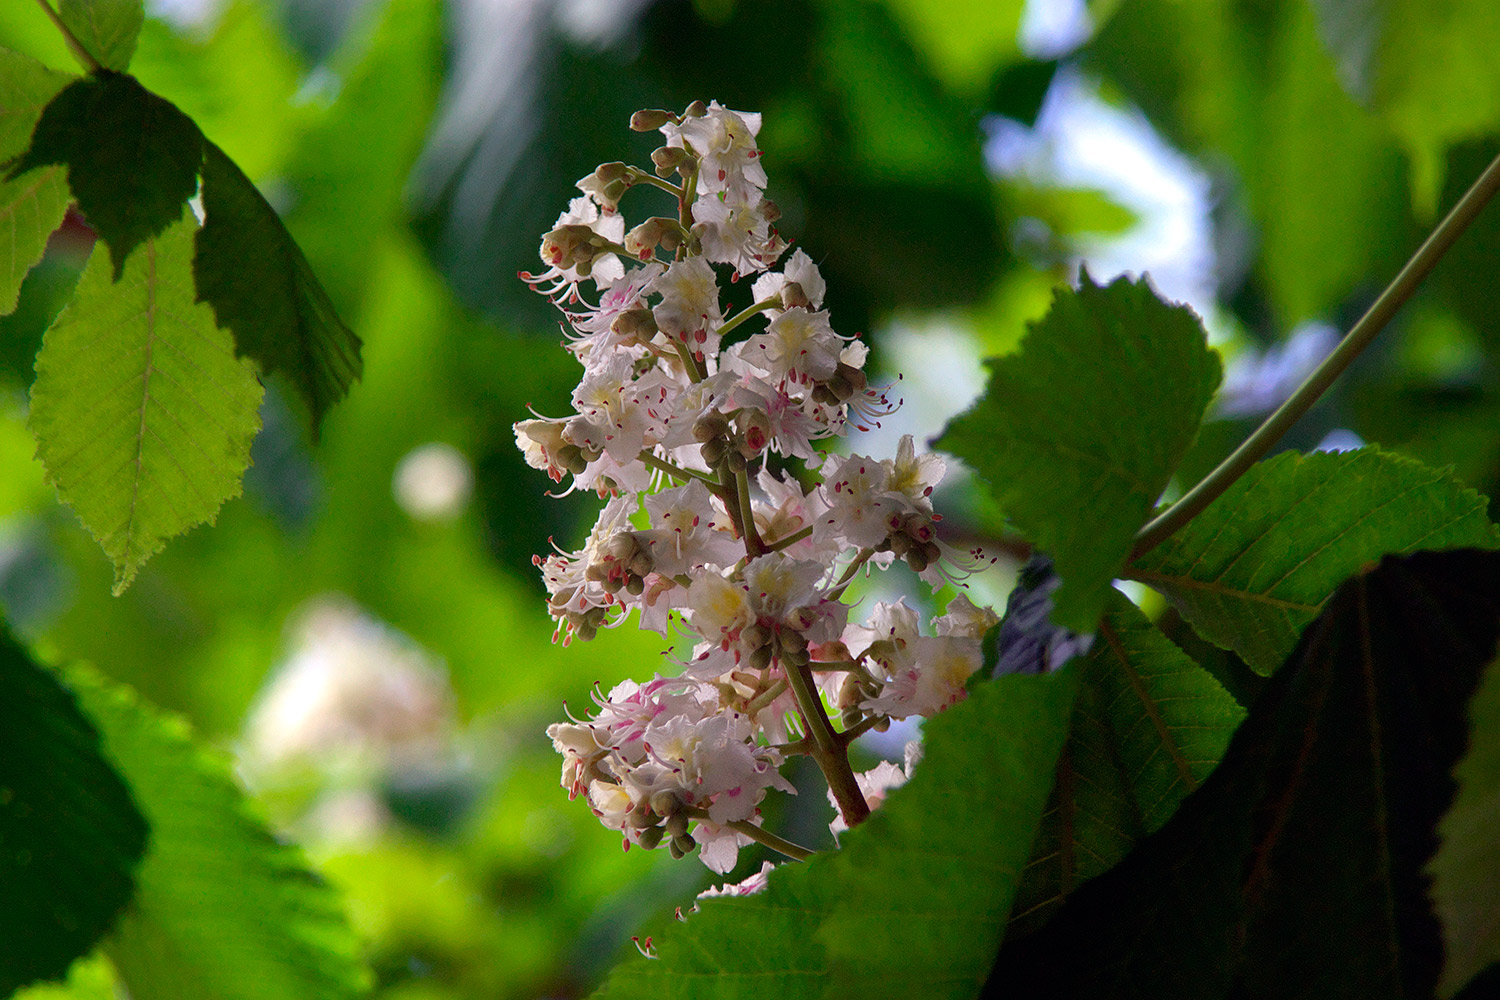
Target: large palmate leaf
132, 157
909, 907
70, 836
107, 29
1079, 432
26, 87
142, 413
223, 911
1296, 870
1148, 726
1466, 868
259, 284
1253, 569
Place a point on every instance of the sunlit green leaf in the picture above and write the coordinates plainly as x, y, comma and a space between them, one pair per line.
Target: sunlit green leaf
1080, 430
965, 41
1466, 868
70, 836
222, 910
107, 29
89, 979
1148, 726
142, 413
909, 907
26, 87
31, 207
132, 157
1253, 569
259, 284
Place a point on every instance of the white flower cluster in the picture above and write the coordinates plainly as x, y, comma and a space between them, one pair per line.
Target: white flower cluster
676, 421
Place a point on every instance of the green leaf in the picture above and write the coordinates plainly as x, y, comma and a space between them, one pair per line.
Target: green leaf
143, 415
106, 28
1296, 870
1323, 179
260, 285
1148, 726
344, 200
1466, 868
26, 87
965, 41
223, 911
1427, 69
1253, 569
70, 836
31, 207
1052, 440
915, 902
132, 157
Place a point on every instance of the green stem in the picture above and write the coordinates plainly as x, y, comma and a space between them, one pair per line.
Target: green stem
678, 472
830, 753
765, 698
753, 545
1356, 340
863, 726
83, 55
760, 835
639, 176
848, 577
746, 313
688, 361
789, 540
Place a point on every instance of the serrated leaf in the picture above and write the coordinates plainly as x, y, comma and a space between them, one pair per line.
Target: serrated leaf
70, 835
31, 207
1466, 868
909, 907
1079, 432
106, 28
1148, 727
249, 269
143, 415
1296, 870
1252, 570
26, 87
132, 157
223, 911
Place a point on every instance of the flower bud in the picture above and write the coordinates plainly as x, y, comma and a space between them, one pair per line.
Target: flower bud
917, 559
668, 159
638, 325
566, 246
649, 120
650, 838
793, 297
709, 426
696, 110
615, 171
636, 586
761, 658
755, 636
769, 210
735, 460
713, 450
641, 563
850, 694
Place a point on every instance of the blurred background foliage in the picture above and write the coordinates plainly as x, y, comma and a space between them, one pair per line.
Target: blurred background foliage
364, 628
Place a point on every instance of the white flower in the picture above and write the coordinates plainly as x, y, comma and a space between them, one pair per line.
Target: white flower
689, 310
749, 887
798, 344
725, 142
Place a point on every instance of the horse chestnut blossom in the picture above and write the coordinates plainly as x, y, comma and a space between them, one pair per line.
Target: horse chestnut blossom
688, 421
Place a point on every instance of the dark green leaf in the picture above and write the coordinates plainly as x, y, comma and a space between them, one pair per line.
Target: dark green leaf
142, 413
223, 911
70, 836
1148, 726
132, 157
909, 907
1296, 870
259, 284
1253, 569
106, 28
1079, 432
1466, 869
